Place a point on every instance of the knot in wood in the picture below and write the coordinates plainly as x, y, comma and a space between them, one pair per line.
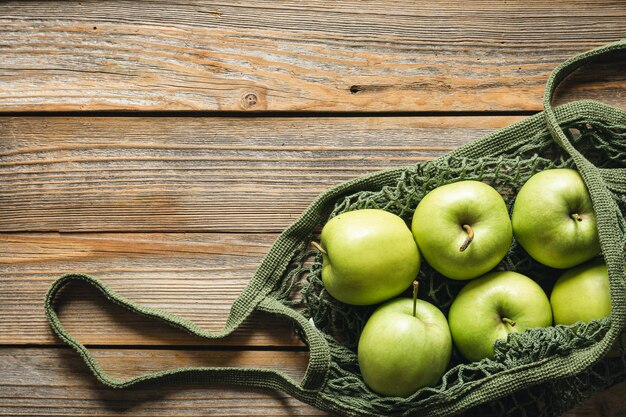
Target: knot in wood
249, 100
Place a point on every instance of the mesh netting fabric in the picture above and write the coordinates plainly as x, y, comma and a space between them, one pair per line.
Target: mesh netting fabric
603, 144
540, 372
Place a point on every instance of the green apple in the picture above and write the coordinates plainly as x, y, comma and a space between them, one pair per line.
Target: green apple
369, 256
462, 229
404, 347
554, 221
583, 294
491, 307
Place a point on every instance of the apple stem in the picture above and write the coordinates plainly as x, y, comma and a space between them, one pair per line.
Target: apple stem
416, 285
318, 247
508, 321
470, 237
576, 217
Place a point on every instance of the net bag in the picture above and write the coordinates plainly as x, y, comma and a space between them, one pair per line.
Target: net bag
540, 372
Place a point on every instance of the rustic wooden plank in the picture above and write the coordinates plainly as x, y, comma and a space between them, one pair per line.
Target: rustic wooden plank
197, 276
55, 382
609, 403
284, 55
200, 174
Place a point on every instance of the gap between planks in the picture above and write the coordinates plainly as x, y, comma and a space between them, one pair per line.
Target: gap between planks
128, 174
355, 56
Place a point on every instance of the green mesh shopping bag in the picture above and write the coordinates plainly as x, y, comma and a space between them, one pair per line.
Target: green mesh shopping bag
541, 372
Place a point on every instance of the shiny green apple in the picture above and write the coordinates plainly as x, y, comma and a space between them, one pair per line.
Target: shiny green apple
462, 229
554, 221
583, 294
491, 307
369, 256
400, 352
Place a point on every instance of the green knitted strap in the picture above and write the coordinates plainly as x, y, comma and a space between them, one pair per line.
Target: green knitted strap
599, 182
265, 378
615, 179
256, 296
552, 368
614, 176
320, 385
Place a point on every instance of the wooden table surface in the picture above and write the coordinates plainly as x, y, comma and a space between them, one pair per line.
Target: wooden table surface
162, 146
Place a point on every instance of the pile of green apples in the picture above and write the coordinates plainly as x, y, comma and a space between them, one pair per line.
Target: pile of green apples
463, 231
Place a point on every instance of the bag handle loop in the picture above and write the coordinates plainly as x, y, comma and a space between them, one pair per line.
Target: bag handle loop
257, 295
556, 77
314, 377
613, 178
599, 182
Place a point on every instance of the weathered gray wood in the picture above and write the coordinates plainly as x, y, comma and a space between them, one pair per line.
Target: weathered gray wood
286, 55
197, 276
200, 174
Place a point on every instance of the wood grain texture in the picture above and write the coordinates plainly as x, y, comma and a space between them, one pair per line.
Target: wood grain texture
38, 382
196, 276
200, 174
608, 403
135, 185
285, 55
55, 382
